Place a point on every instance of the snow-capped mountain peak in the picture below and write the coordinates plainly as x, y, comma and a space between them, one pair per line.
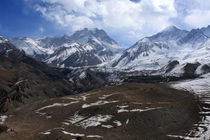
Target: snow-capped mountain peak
154, 52
171, 28
98, 35
81, 45
170, 33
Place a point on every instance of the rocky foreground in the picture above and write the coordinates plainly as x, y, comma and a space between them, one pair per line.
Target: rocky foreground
131, 111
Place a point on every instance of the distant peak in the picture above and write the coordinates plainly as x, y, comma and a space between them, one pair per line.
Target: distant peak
2, 38
89, 32
170, 28
207, 27
91, 29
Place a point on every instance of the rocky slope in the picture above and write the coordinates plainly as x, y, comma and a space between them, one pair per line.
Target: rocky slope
129, 111
24, 80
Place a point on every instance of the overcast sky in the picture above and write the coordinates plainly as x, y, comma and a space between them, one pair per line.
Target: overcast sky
126, 21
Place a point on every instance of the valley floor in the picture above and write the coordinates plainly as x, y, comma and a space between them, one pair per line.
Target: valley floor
131, 111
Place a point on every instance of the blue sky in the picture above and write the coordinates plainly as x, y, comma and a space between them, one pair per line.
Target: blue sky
126, 21
19, 19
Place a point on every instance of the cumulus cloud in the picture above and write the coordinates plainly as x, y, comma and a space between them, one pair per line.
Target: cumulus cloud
199, 16
123, 19
193, 13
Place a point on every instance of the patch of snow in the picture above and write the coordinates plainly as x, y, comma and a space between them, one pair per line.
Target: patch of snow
63, 55
118, 123
107, 126
46, 133
98, 103
48, 117
95, 120
200, 85
66, 123
76, 118
19, 82
177, 71
96, 40
55, 105
72, 98
122, 109
106, 96
70, 45
82, 75
180, 137
72, 134
71, 80
3, 119
85, 122
127, 121
94, 136
84, 98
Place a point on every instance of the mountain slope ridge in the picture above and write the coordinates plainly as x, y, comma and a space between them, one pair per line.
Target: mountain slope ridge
155, 52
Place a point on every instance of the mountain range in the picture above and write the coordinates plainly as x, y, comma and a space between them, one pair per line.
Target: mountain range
171, 44
93, 47
86, 47
134, 86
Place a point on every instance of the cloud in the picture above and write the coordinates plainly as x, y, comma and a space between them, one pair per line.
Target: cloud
193, 13
123, 19
41, 30
198, 18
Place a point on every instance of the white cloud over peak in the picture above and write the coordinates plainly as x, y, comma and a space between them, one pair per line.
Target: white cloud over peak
123, 19
199, 15
198, 18
193, 13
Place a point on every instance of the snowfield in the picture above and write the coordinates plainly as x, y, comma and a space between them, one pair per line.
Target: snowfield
200, 87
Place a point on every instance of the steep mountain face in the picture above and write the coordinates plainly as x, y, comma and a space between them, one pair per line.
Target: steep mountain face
32, 47
194, 37
172, 44
84, 48
206, 30
150, 52
170, 33
24, 80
